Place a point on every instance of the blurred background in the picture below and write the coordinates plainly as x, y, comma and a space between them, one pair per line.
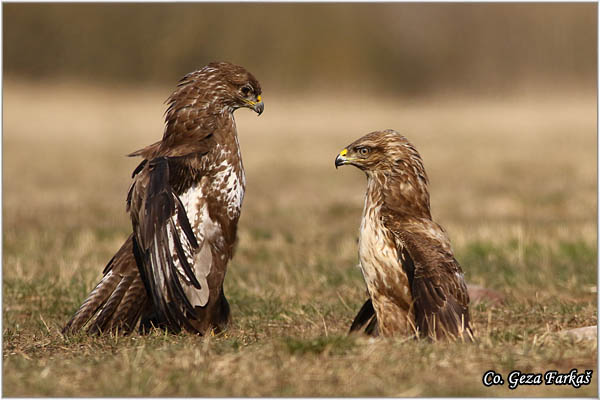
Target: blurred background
400, 49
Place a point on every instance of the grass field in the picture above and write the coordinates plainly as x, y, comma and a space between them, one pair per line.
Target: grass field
512, 180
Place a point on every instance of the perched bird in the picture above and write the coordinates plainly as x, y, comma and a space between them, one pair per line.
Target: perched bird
415, 284
184, 203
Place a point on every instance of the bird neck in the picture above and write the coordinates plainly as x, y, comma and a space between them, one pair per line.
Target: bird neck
403, 195
227, 137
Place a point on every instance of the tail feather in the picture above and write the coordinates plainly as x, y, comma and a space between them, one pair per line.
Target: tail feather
117, 301
129, 309
105, 316
95, 300
366, 319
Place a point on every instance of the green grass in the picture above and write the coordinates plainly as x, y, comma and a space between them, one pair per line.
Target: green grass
293, 284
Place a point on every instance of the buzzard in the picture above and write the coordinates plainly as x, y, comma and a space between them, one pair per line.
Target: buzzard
184, 203
415, 284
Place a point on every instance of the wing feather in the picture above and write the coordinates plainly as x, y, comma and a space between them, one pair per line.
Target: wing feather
440, 297
181, 256
438, 288
166, 245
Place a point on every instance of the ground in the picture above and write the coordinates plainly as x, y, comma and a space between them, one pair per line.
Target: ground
513, 180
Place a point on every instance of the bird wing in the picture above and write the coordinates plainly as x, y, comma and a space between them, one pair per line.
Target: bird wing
173, 264
122, 295
440, 296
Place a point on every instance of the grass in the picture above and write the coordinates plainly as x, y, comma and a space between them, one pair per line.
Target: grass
513, 181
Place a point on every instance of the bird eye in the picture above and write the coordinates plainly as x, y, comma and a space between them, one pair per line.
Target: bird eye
363, 151
246, 90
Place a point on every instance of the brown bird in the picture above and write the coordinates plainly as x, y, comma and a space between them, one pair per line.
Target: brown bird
415, 284
184, 203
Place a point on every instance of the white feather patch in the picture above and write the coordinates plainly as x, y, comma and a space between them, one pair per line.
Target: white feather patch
379, 262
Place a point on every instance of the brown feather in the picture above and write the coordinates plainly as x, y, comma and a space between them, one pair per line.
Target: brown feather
111, 305
126, 315
415, 284
184, 203
96, 307
365, 320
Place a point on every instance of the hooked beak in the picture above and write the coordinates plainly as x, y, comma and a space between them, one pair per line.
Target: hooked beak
341, 158
259, 107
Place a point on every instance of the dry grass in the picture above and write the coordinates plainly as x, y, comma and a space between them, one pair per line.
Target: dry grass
513, 181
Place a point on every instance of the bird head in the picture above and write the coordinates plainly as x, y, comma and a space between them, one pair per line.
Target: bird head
378, 151
218, 86
394, 165
241, 88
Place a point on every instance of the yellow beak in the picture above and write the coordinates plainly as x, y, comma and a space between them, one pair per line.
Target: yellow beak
341, 158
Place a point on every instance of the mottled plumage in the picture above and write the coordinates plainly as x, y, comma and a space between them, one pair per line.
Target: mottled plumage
184, 202
415, 284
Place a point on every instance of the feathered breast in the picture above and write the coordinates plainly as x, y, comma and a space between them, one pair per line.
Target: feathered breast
378, 254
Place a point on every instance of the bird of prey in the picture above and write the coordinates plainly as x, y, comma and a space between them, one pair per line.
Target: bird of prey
184, 203
415, 285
